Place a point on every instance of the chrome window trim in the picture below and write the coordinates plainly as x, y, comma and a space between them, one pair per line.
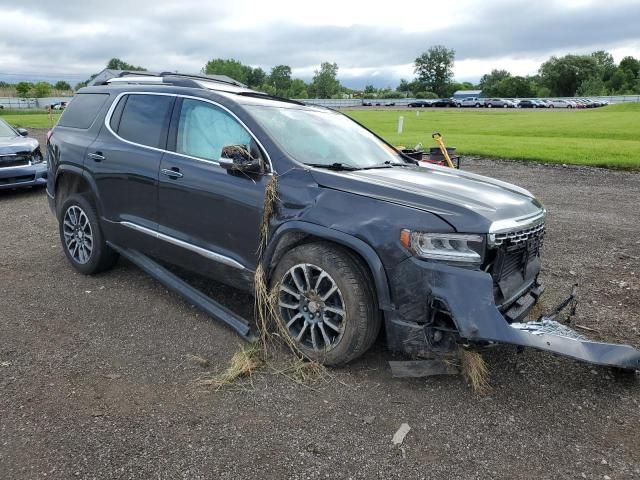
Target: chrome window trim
189, 246
107, 124
500, 226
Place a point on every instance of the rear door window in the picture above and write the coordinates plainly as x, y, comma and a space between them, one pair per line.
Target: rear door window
145, 119
83, 110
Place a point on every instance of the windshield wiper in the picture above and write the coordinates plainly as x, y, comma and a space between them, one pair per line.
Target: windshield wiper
334, 166
387, 164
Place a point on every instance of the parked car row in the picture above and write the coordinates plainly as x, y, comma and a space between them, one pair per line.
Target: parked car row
477, 102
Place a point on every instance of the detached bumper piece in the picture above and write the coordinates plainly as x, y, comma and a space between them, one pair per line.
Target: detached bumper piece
469, 299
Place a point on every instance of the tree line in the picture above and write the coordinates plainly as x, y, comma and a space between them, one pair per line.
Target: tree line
582, 75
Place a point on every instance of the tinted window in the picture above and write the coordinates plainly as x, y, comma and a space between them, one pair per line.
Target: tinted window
145, 119
82, 110
204, 129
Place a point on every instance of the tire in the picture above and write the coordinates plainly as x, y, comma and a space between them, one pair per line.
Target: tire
311, 271
489, 106
477, 105
81, 237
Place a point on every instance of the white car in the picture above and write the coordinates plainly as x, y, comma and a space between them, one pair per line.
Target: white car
561, 104
471, 102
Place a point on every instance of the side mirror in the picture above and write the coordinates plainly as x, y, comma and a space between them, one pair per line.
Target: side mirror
22, 131
238, 158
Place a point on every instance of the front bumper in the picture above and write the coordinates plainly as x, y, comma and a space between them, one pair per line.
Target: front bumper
468, 297
26, 176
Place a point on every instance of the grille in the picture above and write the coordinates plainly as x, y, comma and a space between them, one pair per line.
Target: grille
519, 236
14, 160
516, 249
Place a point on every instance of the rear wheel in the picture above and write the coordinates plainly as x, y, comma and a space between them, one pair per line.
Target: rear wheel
326, 303
81, 236
489, 106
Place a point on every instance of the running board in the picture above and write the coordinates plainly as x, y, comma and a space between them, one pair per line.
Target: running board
188, 292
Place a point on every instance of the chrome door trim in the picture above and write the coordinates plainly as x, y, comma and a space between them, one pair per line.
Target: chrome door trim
217, 257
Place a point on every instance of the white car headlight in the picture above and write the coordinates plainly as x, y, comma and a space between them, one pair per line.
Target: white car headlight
447, 247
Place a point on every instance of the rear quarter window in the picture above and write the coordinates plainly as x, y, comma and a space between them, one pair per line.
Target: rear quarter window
83, 110
144, 119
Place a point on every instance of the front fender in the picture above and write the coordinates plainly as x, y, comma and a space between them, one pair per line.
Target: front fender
363, 249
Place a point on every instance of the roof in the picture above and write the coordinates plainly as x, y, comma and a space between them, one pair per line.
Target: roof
108, 73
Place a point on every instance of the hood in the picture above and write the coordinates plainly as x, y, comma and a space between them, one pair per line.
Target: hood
468, 202
17, 144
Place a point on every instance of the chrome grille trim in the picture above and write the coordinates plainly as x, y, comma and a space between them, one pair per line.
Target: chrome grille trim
518, 236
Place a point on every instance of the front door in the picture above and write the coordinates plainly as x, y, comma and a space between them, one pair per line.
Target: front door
209, 215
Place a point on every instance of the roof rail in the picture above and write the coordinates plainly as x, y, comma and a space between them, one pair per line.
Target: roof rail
202, 77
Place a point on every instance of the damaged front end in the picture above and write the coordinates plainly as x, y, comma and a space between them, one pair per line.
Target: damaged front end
479, 307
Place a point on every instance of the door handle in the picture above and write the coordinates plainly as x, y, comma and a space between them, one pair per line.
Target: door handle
96, 157
173, 172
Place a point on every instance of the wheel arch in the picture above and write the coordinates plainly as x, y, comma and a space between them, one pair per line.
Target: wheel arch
297, 232
71, 179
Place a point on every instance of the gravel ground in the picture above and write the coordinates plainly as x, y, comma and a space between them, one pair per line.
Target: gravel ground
96, 380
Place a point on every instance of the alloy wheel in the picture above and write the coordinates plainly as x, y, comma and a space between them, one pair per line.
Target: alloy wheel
312, 307
78, 236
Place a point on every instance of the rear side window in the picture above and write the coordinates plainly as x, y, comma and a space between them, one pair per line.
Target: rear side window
83, 110
145, 119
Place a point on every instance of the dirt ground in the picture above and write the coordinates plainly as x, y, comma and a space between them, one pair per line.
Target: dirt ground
96, 380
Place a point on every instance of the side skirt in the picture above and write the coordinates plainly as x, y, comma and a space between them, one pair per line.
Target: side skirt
188, 292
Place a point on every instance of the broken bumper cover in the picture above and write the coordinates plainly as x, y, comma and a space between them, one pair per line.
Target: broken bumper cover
468, 296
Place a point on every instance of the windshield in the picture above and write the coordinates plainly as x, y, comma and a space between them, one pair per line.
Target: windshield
6, 130
323, 138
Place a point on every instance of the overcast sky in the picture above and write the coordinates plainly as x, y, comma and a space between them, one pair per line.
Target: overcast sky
372, 42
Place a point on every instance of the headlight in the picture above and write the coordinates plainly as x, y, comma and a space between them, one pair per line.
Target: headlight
447, 247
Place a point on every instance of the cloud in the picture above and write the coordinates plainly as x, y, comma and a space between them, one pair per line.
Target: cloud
75, 38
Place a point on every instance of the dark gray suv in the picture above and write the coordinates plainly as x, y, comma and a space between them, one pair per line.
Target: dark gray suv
174, 169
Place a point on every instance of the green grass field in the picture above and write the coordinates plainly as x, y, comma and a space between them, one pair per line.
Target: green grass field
29, 118
605, 137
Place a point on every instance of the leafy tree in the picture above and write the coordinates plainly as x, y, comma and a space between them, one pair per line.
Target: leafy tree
298, 89
422, 95
435, 68
514, 87
4, 84
325, 83
41, 89
604, 63
630, 65
280, 78
593, 86
404, 86
489, 81
268, 89
370, 89
229, 67
256, 77
117, 64
564, 75
23, 89
62, 85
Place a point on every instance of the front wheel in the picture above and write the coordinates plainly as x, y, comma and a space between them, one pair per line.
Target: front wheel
81, 237
326, 303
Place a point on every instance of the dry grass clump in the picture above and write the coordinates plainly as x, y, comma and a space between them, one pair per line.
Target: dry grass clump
272, 332
475, 370
243, 364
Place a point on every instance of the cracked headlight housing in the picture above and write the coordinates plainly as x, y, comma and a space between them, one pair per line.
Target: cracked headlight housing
446, 247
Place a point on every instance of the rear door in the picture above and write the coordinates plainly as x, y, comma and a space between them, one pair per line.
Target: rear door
125, 160
209, 215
